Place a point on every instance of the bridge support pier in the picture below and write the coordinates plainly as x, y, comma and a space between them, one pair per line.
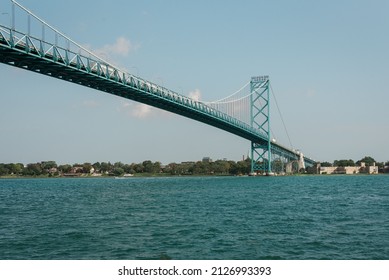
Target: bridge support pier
289, 168
301, 162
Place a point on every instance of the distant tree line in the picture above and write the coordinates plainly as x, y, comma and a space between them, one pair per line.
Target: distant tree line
147, 167
52, 169
369, 161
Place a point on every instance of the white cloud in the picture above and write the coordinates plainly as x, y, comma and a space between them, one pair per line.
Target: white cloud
142, 111
122, 47
195, 94
137, 110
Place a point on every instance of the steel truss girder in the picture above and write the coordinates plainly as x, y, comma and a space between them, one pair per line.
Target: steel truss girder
130, 88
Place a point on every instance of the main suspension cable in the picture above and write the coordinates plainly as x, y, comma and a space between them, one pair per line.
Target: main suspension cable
282, 119
225, 98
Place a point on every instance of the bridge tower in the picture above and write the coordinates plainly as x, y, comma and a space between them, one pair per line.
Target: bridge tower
260, 119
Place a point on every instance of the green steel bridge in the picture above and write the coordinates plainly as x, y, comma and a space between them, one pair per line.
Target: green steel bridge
30, 43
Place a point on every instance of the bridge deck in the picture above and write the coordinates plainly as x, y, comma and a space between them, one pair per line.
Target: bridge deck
70, 66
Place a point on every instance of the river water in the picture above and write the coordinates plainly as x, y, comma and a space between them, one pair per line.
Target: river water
296, 217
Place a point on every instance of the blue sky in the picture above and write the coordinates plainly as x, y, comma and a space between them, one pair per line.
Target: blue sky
327, 61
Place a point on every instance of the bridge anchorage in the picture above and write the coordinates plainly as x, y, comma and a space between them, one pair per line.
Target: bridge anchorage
30, 43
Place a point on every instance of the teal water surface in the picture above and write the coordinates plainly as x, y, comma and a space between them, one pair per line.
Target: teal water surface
307, 217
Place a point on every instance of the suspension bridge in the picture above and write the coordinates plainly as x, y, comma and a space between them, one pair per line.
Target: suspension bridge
30, 43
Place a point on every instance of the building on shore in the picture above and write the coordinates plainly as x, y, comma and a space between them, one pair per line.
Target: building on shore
207, 159
362, 169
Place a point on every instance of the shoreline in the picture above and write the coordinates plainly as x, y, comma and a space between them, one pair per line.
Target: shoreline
185, 176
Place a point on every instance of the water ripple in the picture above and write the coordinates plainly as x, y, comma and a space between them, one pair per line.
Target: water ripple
323, 217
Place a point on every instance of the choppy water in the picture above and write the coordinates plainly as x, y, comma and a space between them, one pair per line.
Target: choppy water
313, 217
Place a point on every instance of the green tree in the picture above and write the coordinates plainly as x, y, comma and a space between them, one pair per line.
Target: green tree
118, 165
157, 167
105, 167
138, 168
148, 166
97, 166
33, 169
234, 168
11, 168
369, 161
128, 169
277, 165
118, 171
19, 168
171, 168
47, 165
220, 167
65, 168
86, 167
185, 168
3, 169
201, 167
241, 167
344, 163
